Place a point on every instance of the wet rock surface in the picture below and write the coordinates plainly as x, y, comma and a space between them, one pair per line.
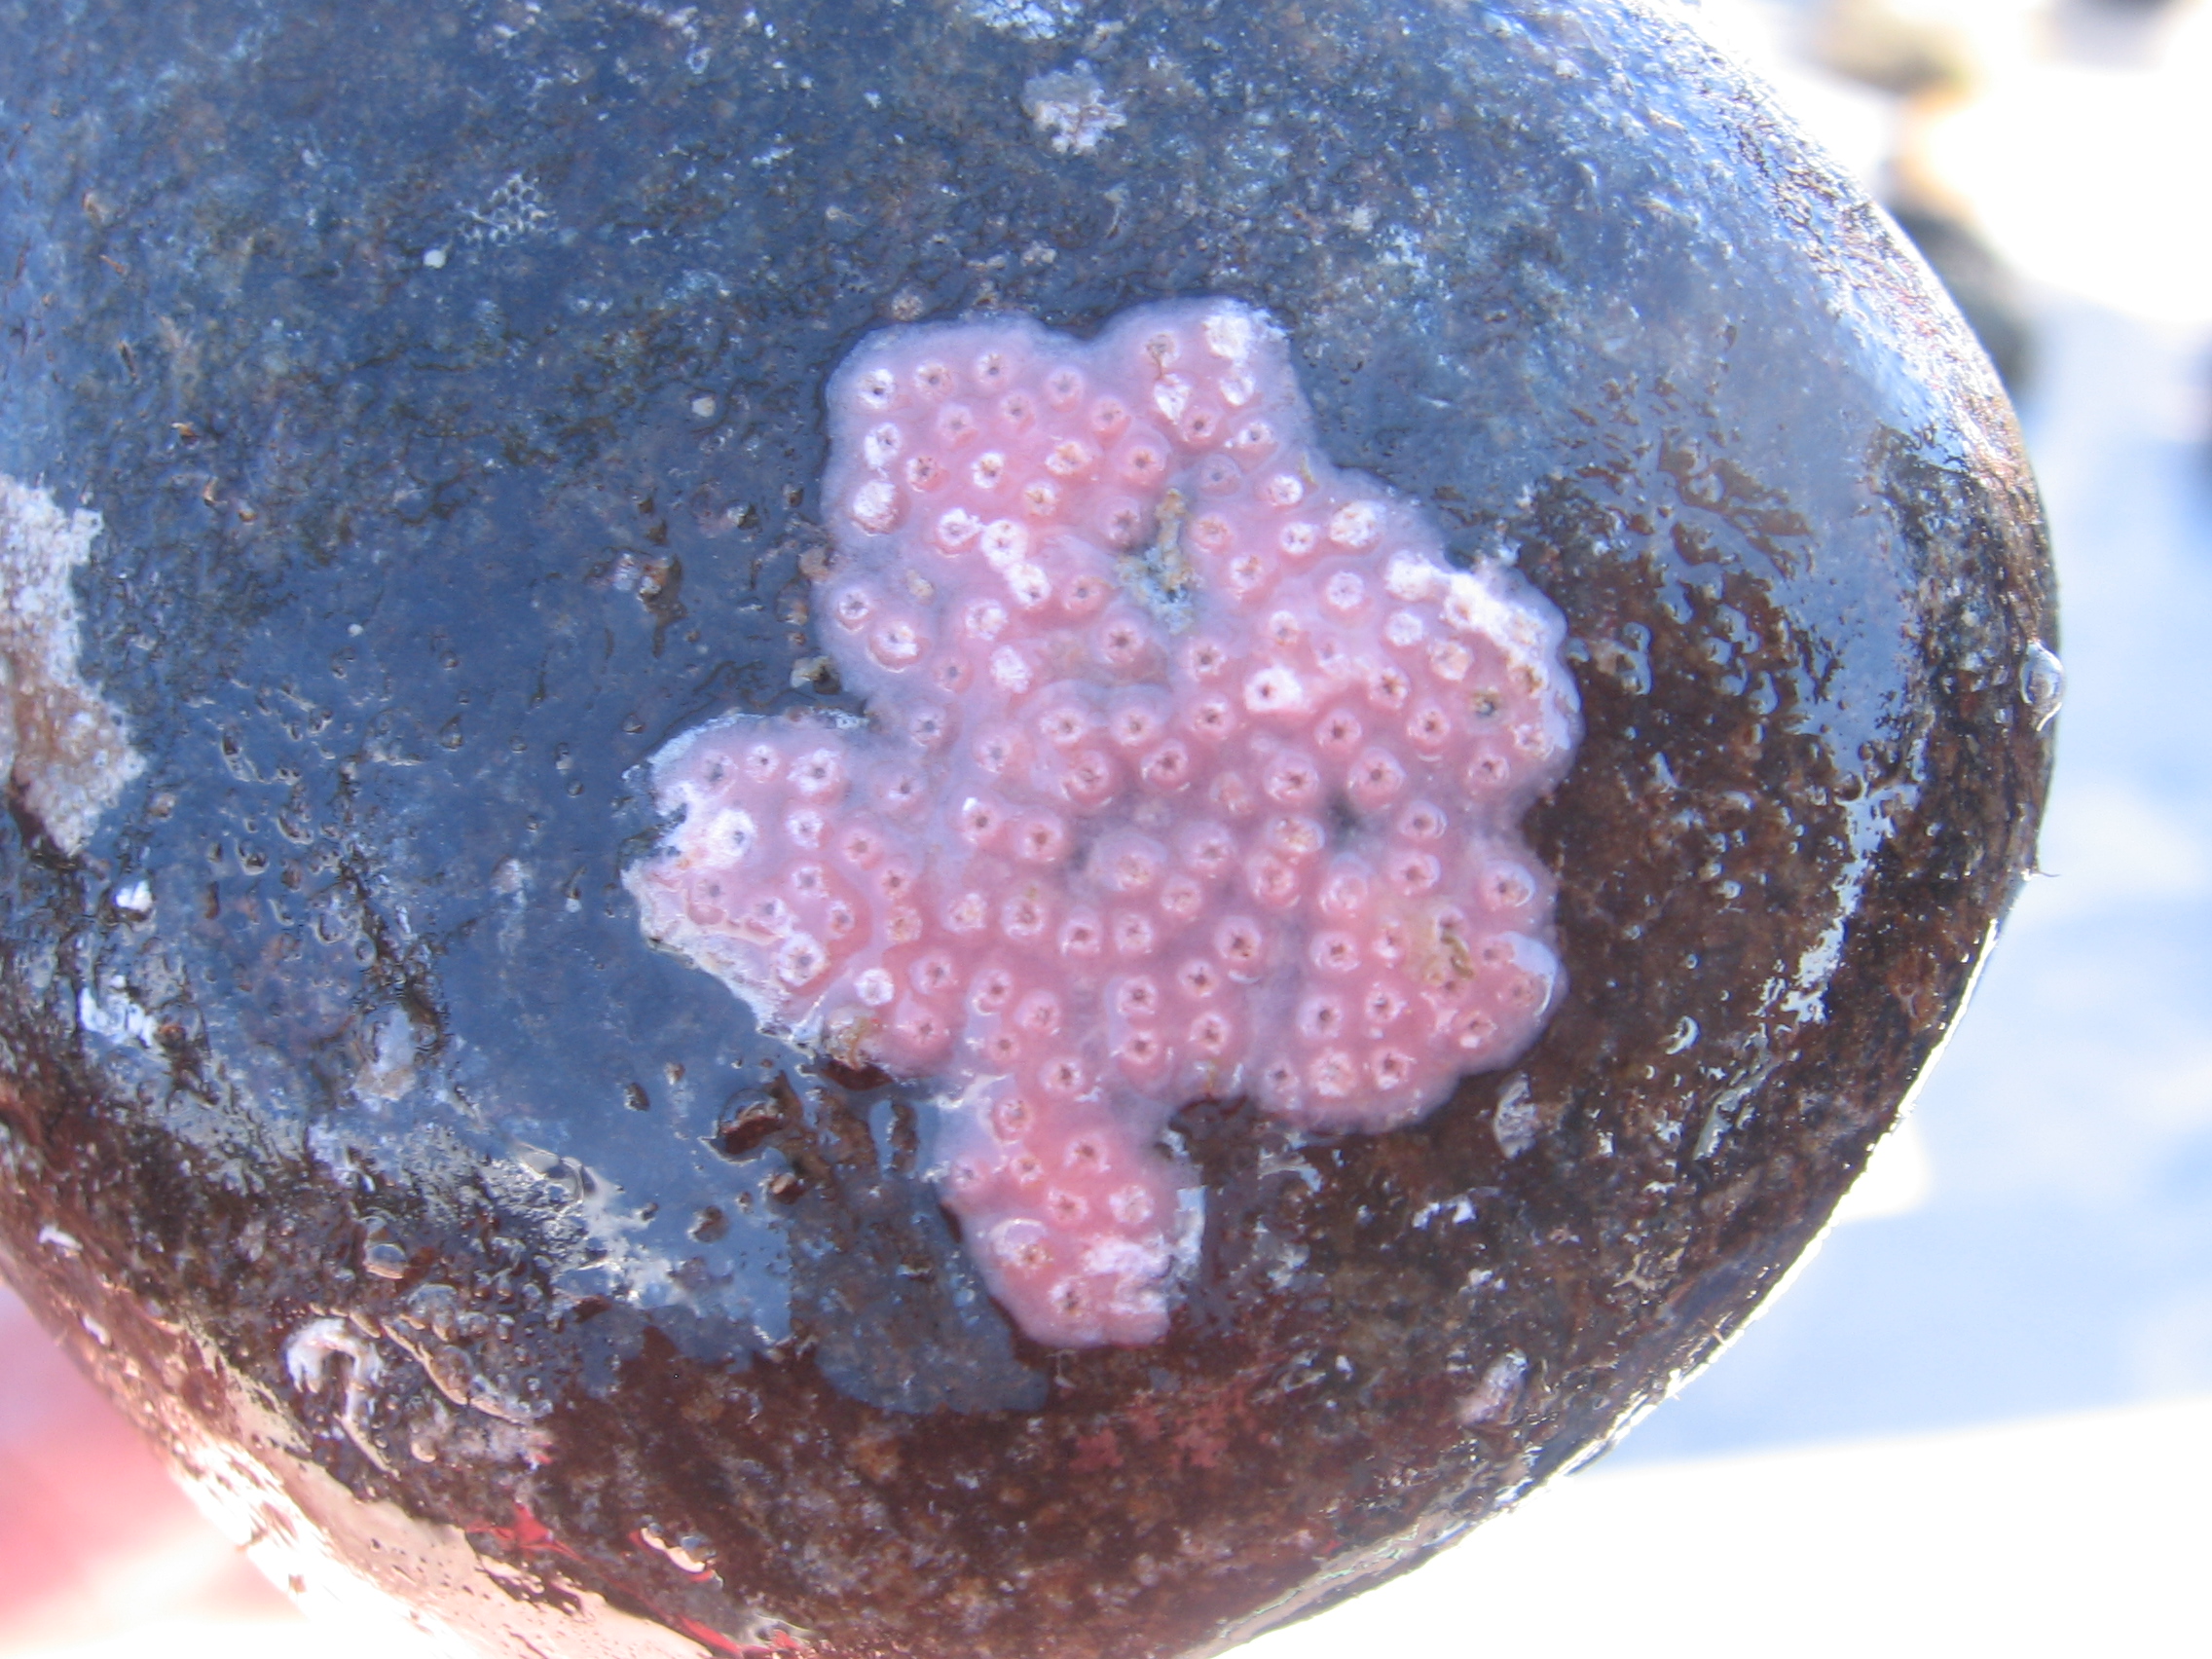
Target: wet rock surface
454, 445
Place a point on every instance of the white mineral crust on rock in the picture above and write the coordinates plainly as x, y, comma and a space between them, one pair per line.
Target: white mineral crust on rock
63, 746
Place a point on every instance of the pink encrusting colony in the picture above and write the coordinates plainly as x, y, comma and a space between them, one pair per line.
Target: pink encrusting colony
1193, 770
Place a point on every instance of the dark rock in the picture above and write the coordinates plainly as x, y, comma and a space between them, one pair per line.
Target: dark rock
448, 388
1980, 284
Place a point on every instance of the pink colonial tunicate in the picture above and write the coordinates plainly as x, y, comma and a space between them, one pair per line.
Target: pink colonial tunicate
1192, 770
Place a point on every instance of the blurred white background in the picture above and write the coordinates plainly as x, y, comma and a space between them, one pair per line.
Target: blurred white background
1982, 1420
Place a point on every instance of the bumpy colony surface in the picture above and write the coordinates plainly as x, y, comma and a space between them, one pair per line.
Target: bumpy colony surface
1193, 771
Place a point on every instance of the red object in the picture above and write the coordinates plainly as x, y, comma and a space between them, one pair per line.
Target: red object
94, 1536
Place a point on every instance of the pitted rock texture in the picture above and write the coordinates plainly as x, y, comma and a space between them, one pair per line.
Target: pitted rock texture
1195, 773
458, 448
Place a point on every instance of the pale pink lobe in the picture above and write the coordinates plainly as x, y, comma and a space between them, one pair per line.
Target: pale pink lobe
1195, 770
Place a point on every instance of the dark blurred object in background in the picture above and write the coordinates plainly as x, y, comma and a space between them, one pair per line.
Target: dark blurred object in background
2114, 34
1897, 50
1931, 65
